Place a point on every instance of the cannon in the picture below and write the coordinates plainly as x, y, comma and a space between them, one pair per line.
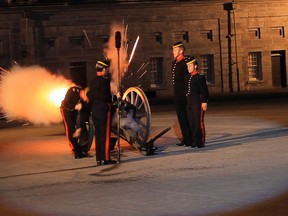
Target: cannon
135, 122
135, 118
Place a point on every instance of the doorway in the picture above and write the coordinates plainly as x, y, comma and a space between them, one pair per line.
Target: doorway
78, 73
279, 76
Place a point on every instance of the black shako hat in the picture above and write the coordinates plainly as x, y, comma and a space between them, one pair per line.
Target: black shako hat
190, 60
177, 44
102, 64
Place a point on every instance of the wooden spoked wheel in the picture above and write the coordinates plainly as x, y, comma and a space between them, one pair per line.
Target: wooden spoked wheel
136, 97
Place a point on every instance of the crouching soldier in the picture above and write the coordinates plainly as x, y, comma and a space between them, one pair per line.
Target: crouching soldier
75, 113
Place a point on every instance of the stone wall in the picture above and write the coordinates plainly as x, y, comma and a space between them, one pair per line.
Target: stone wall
30, 27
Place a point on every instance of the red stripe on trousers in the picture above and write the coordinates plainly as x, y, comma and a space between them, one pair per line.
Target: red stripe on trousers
66, 128
202, 126
108, 131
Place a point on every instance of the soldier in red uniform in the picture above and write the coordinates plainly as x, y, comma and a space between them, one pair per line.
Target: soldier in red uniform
75, 112
100, 99
179, 78
197, 95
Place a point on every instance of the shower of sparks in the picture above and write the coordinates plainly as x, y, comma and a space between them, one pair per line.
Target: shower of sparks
143, 74
87, 38
133, 50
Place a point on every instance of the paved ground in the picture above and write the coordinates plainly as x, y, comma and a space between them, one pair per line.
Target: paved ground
242, 171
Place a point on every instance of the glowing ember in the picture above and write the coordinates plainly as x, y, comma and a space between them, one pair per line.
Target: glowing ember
33, 94
133, 50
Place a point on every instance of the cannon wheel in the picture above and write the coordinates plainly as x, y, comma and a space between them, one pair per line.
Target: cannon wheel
90, 130
87, 136
137, 97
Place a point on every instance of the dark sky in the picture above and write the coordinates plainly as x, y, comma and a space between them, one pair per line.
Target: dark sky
77, 1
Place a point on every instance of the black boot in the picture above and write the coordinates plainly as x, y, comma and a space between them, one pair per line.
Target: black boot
78, 155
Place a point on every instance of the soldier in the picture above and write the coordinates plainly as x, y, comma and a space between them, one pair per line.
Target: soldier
74, 114
197, 97
100, 99
179, 77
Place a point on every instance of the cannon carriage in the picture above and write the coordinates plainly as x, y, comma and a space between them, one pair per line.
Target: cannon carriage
135, 118
132, 122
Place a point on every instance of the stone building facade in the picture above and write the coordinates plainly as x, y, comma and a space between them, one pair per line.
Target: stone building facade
240, 45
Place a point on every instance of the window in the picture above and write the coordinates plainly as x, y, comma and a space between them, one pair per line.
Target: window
278, 31
156, 72
49, 43
76, 41
254, 33
254, 66
207, 67
78, 73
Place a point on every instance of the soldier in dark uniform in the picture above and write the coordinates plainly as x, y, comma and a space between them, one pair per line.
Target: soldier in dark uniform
100, 99
179, 77
197, 98
75, 112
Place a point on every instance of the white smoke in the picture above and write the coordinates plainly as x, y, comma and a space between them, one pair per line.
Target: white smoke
32, 93
111, 53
